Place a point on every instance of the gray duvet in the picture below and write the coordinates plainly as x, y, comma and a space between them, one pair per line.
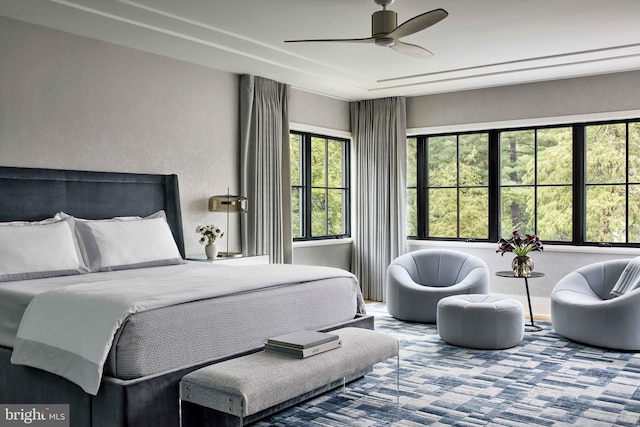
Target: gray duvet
70, 330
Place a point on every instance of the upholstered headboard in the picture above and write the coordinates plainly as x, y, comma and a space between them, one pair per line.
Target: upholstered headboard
33, 194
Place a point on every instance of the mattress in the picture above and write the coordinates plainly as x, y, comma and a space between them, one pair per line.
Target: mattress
169, 338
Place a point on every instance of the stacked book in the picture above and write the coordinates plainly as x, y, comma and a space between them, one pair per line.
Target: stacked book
303, 344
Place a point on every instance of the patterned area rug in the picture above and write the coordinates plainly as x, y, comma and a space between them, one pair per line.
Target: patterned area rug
545, 381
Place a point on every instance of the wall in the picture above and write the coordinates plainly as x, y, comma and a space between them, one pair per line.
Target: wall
610, 96
72, 102
320, 111
606, 94
330, 253
76, 103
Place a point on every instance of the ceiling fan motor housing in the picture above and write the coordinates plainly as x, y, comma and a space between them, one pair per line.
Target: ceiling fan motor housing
383, 22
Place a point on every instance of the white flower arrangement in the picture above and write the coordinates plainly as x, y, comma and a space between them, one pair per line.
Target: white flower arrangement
209, 233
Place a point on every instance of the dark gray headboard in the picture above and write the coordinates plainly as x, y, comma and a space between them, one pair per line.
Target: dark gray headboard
33, 194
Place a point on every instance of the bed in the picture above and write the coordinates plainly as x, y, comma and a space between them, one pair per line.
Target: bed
154, 347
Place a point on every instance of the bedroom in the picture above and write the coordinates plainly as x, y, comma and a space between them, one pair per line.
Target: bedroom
91, 105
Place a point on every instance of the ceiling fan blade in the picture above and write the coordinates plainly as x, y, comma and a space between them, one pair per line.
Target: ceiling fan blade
411, 50
418, 23
365, 40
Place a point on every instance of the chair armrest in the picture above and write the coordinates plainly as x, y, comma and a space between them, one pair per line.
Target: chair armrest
399, 276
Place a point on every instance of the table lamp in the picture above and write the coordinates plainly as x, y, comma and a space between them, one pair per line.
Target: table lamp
230, 204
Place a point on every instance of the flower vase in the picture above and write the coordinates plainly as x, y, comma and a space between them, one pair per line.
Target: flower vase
522, 266
211, 250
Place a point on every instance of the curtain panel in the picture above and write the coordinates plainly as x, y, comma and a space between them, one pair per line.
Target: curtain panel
265, 166
379, 129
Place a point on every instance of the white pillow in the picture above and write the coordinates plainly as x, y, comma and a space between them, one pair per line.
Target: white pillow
629, 279
118, 244
39, 249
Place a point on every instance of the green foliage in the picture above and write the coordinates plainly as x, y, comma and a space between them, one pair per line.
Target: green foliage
443, 212
606, 213
443, 158
412, 162
474, 213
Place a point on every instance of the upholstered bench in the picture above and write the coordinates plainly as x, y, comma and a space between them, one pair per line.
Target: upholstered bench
242, 390
480, 321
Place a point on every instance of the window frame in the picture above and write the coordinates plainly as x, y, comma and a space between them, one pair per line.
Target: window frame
423, 186
579, 186
307, 187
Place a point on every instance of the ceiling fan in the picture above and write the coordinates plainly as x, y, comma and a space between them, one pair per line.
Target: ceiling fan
386, 32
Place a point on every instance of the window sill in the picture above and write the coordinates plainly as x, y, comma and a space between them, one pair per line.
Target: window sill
547, 248
325, 242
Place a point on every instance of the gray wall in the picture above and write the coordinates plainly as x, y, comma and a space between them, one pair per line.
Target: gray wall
331, 254
75, 103
585, 95
605, 96
317, 110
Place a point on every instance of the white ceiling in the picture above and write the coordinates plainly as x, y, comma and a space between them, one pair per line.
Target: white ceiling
482, 43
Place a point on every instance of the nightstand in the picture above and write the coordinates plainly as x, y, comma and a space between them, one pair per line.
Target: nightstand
239, 260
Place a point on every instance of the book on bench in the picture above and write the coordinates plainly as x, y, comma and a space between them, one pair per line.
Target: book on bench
303, 344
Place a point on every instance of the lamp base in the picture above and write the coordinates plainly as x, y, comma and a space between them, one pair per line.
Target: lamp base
229, 254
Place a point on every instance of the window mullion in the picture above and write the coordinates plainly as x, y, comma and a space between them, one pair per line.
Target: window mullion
579, 184
422, 191
494, 185
326, 187
307, 206
535, 182
627, 186
458, 186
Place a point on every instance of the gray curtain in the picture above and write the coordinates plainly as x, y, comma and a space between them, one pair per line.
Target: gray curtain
379, 129
265, 164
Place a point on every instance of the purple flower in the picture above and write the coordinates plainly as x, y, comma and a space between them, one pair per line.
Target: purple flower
519, 245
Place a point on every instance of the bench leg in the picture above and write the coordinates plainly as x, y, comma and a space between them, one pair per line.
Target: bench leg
397, 400
398, 379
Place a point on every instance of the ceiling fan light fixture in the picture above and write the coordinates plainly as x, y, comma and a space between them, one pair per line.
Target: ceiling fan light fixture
385, 42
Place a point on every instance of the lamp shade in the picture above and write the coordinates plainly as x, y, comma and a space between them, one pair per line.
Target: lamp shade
228, 203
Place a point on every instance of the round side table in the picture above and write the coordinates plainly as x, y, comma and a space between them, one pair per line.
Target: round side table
532, 327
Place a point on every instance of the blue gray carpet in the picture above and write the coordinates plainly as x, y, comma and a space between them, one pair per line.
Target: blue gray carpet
545, 381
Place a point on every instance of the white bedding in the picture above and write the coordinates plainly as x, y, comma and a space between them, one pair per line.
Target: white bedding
69, 330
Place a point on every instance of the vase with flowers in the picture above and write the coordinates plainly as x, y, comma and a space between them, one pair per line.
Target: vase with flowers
209, 234
522, 264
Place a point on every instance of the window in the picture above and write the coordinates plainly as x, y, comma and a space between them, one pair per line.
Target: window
536, 191
319, 186
455, 184
613, 183
576, 184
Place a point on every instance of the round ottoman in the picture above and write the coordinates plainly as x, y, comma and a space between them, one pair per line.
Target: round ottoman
480, 321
